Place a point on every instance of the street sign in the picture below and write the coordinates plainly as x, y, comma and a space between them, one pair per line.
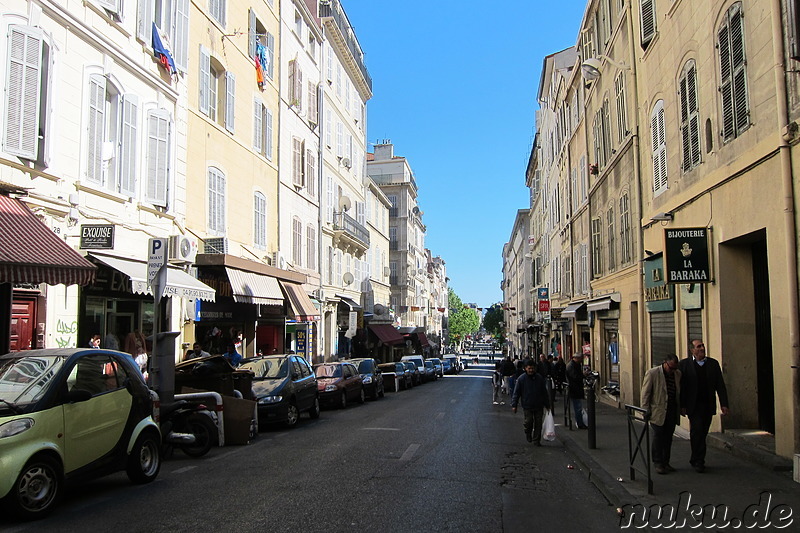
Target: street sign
156, 259
544, 306
543, 293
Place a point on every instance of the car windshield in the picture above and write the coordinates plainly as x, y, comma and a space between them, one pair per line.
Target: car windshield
328, 371
23, 380
428, 364
365, 367
267, 368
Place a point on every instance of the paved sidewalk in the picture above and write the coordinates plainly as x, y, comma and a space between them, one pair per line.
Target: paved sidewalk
728, 480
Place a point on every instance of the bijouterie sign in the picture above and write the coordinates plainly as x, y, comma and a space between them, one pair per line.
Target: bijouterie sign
686, 251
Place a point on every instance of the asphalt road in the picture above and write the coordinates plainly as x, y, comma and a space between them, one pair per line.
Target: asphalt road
438, 457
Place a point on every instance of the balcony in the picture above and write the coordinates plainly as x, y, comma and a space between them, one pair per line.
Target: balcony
335, 19
349, 235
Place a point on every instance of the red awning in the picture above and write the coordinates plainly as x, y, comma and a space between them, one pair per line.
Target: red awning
423, 340
300, 305
387, 334
31, 253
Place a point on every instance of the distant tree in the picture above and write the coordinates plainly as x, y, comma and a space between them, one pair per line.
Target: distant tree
463, 320
493, 321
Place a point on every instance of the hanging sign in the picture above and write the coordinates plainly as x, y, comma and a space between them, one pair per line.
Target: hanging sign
686, 251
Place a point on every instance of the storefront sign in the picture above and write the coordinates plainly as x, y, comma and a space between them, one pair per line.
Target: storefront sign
686, 251
543, 293
658, 296
97, 237
300, 343
544, 306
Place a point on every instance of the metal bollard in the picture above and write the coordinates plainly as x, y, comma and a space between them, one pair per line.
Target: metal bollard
590, 412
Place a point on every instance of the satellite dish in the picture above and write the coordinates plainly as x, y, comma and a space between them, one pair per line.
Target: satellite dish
348, 278
415, 210
344, 203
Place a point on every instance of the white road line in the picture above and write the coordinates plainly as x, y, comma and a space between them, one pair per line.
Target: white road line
409, 453
453, 401
381, 429
182, 470
439, 415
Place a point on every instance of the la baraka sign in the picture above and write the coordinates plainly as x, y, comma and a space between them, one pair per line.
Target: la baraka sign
686, 252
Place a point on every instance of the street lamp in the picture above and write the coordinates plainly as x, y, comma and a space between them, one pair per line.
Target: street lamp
590, 69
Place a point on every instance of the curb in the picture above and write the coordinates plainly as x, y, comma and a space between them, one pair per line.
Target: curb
738, 447
608, 485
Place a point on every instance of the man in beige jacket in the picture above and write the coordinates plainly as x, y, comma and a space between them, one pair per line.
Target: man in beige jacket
661, 398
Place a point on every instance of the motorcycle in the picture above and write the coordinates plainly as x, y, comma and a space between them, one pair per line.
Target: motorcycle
188, 426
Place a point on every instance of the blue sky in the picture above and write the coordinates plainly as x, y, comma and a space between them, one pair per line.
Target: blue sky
454, 89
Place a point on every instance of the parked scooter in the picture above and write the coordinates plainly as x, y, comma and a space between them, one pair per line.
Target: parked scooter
188, 426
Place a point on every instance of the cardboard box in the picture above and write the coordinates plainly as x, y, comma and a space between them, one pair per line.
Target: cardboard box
238, 418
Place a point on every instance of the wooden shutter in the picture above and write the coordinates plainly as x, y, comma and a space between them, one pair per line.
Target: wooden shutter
738, 70
297, 162
329, 203
311, 165
128, 145
95, 129
659, 148
258, 127
23, 91
726, 81
648, 21
292, 84
205, 80
252, 37
180, 35
110, 5
312, 103
270, 66
260, 215
216, 200
268, 133
230, 100
158, 126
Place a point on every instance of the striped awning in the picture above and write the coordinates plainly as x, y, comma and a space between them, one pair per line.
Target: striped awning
252, 288
31, 253
300, 305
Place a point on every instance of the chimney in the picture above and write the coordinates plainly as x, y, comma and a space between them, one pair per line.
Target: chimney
384, 151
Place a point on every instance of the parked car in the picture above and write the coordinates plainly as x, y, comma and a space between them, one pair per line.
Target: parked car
284, 386
417, 360
455, 366
437, 364
446, 367
430, 371
339, 383
71, 412
411, 368
371, 376
395, 376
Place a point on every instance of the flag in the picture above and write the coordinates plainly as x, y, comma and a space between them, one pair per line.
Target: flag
161, 53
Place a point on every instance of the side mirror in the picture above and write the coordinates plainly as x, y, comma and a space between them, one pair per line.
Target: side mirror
78, 395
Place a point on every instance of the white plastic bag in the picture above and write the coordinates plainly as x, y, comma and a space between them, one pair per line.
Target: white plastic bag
585, 417
549, 426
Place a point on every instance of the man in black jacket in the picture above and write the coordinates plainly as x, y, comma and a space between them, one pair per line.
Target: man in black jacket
574, 373
701, 383
531, 392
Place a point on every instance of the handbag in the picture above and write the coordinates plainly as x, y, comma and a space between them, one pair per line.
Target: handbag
549, 426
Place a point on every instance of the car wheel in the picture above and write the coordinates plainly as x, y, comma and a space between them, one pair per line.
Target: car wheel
292, 414
314, 411
144, 461
362, 396
37, 489
343, 401
204, 431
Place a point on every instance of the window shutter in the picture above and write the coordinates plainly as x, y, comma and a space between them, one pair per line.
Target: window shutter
659, 149
693, 116
311, 165
258, 127
297, 162
298, 88
260, 215
268, 133
230, 100
205, 79
740, 108
158, 125
23, 91
216, 200
252, 38
329, 203
312, 103
726, 81
180, 36
648, 21
292, 84
110, 5
128, 144
95, 129
269, 68
144, 21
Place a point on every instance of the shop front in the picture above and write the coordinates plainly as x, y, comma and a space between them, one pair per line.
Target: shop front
301, 321
606, 319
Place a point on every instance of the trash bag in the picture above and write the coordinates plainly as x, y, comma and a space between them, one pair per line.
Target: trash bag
585, 417
549, 426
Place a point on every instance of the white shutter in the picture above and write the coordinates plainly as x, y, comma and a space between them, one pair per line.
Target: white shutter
110, 5
328, 128
329, 203
270, 66
144, 21
297, 162
128, 145
252, 38
268, 133
23, 91
158, 126
95, 129
230, 100
648, 21
205, 79
258, 127
180, 35
659, 147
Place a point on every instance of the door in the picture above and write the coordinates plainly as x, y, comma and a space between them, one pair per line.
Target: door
23, 324
763, 323
305, 387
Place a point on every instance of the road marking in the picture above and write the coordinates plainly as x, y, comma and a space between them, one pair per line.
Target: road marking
381, 429
184, 469
439, 416
453, 401
222, 456
409, 453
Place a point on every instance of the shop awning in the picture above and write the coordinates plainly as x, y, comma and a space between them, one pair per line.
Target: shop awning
31, 253
423, 340
572, 309
252, 288
601, 304
388, 334
179, 283
349, 302
300, 305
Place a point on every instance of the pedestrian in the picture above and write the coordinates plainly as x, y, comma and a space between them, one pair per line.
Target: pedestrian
232, 356
196, 352
574, 375
497, 385
661, 389
561, 372
508, 370
702, 382
530, 391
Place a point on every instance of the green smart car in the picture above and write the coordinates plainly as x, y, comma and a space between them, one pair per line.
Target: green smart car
68, 415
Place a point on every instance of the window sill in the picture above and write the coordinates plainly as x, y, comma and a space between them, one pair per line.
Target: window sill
103, 193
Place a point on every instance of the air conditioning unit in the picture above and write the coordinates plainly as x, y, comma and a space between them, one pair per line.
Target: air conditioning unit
216, 245
278, 260
317, 294
182, 249
346, 163
386, 271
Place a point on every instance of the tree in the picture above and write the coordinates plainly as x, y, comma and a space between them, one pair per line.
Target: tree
493, 322
463, 320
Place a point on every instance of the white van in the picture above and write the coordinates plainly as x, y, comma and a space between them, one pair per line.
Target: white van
417, 360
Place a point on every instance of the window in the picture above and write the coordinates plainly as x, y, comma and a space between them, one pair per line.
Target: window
171, 18
295, 85
329, 206
597, 255
217, 10
262, 129
328, 128
626, 244
648, 11
393, 238
622, 113
338, 277
313, 119
216, 201
600, 136
260, 221
690, 117
26, 127
217, 90
159, 126
298, 25
311, 171
297, 162
311, 248
339, 139
733, 74
612, 245
297, 241
261, 46
659, 144
330, 266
